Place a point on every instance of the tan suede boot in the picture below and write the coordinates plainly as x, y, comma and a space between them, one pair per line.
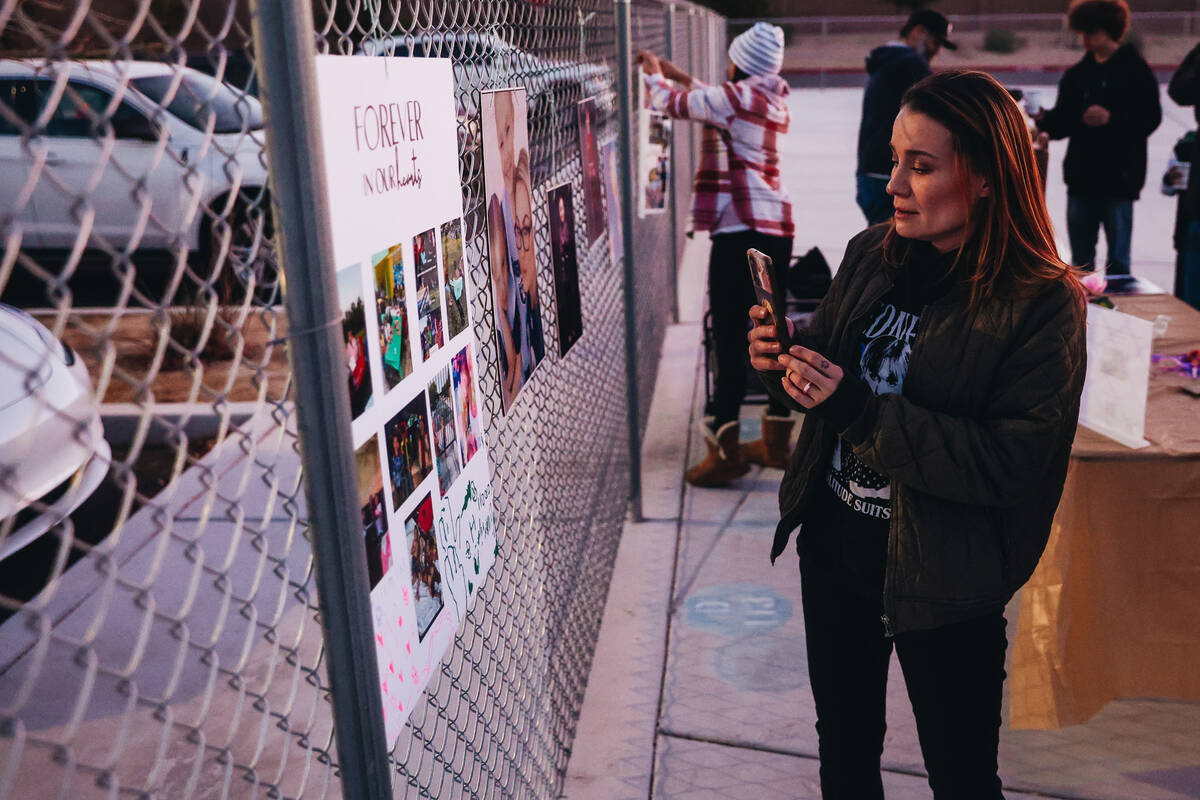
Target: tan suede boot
775, 447
724, 460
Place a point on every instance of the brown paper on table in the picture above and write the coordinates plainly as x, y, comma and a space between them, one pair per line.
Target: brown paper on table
1113, 609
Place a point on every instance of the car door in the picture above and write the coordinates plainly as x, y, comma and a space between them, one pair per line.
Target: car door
135, 191
16, 167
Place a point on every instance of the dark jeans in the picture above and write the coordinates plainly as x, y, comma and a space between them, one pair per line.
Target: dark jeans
1085, 214
954, 674
730, 295
873, 199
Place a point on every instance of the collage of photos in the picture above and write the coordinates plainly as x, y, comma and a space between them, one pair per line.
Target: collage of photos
446, 439
354, 337
654, 159
393, 317
566, 266
406, 436
374, 514
589, 156
463, 367
511, 241
426, 577
429, 304
454, 277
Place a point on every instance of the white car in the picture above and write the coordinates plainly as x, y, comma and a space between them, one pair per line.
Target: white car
163, 169
53, 454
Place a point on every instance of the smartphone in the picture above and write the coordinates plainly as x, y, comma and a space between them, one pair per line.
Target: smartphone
771, 294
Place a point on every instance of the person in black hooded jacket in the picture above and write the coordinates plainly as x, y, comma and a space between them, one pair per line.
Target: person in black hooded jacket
1107, 106
1184, 89
891, 69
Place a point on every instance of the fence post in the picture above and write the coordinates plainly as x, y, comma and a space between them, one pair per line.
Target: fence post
285, 46
625, 76
674, 201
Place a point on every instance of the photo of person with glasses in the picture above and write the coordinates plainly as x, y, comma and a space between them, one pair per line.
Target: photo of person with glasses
508, 186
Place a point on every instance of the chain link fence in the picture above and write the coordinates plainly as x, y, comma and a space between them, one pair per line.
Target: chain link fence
160, 630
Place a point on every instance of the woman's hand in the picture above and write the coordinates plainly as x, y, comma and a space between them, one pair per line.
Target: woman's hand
764, 344
649, 62
810, 378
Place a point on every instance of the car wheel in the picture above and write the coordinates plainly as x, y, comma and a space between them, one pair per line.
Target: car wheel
238, 248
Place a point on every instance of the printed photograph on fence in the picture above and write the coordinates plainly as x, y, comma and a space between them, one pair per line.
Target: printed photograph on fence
354, 338
512, 258
654, 157
395, 209
589, 156
426, 577
464, 402
612, 196
429, 304
655, 189
374, 514
446, 440
455, 278
566, 266
410, 459
392, 315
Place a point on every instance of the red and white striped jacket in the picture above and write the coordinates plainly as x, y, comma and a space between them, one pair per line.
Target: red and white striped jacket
739, 152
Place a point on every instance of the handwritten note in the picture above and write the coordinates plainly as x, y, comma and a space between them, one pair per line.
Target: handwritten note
1118, 376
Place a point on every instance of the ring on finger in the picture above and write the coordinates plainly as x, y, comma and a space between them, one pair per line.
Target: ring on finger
806, 387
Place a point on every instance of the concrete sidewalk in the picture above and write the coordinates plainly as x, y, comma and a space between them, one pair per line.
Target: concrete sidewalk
699, 686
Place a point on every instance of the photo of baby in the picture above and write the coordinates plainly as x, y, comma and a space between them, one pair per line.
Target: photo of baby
392, 316
429, 304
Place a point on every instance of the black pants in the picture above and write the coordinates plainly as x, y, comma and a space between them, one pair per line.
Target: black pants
955, 675
730, 295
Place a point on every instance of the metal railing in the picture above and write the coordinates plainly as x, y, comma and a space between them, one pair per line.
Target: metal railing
178, 617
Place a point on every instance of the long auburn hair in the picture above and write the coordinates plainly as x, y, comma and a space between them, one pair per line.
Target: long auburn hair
1008, 235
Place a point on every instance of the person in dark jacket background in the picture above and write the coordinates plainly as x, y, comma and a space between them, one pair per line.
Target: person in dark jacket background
941, 378
1184, 89
891, 69
1107, 107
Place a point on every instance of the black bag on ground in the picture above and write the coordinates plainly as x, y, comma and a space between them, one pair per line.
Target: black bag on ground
809, 276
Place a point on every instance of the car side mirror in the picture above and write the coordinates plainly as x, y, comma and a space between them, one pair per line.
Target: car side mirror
136, 126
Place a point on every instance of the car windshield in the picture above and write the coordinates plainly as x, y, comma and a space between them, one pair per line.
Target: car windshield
199, 97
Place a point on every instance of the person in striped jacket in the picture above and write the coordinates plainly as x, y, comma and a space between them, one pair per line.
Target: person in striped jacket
738, 197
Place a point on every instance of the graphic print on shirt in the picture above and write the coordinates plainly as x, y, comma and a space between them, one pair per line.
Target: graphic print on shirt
883, 360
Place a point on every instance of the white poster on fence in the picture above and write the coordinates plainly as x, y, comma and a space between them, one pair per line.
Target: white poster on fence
1118, 375
391, 159
654, 156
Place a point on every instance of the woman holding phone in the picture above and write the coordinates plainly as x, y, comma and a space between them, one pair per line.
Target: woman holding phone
940, 379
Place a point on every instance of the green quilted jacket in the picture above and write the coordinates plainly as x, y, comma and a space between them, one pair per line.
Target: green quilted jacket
976, 446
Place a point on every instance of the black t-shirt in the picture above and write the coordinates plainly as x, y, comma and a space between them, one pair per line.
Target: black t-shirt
847, 527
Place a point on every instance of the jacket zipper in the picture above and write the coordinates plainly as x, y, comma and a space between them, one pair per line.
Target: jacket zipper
889, 571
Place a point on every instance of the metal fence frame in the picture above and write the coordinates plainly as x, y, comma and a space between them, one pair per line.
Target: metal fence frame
212, 625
